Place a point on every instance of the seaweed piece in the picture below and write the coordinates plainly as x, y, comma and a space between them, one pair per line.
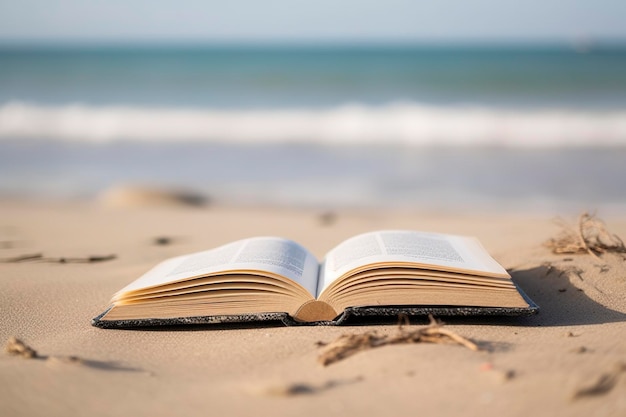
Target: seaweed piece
349, 344
589, 236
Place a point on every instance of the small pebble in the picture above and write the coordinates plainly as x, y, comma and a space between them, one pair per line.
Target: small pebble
162, 241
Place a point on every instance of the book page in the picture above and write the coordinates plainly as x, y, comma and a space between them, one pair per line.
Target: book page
448, 252
265, 254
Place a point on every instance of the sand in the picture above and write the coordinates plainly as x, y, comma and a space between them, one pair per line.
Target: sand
568, 360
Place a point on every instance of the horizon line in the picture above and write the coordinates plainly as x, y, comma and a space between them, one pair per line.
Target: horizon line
574, 43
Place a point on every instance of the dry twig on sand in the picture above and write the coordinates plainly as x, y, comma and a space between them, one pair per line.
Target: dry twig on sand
589, 236
16, 347
38, 257
87, 259
349, 344
22, 258
603, 384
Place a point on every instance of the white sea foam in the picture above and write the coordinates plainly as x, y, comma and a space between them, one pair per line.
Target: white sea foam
396, 123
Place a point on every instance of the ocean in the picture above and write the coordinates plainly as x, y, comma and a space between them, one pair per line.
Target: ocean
429, 127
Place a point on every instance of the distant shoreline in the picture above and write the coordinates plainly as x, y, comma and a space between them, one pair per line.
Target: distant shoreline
322, 173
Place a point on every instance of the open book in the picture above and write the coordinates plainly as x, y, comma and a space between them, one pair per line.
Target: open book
270, 278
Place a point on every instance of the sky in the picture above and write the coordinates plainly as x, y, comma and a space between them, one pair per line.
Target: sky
122, 21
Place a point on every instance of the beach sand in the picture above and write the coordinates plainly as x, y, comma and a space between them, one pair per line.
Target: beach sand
568, 360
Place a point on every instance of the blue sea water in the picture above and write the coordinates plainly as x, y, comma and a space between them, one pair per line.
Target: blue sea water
403, 126
240, 77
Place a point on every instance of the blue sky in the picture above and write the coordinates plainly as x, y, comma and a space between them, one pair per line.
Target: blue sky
311, 21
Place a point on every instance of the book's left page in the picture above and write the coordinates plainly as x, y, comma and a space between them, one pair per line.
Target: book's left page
253, 279
265, 255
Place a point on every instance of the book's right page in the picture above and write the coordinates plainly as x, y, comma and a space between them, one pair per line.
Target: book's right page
392, 272
429, 250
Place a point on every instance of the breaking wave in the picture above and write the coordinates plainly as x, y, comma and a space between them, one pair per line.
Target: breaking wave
409, 123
